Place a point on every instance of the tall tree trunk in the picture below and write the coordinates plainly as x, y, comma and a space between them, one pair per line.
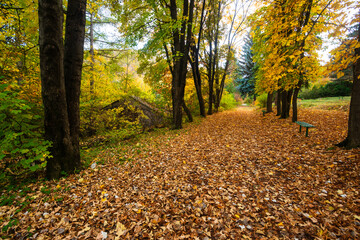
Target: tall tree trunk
195, 65
61, 118
211, 81
214, 66
269, 102
278, 103
73, 61
181, 44
57, 129
284, 104
353, 135
289, 96
294, 104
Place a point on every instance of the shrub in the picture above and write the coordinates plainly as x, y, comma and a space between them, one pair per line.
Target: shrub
95, 120
227, 101
22, 147
248, 100
331, 89
261, 100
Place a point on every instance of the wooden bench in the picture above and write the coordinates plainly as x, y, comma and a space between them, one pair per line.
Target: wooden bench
264, 111
304, 124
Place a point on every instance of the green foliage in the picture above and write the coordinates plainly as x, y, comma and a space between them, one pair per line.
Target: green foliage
246, 70
22, 147
331, 89
120, 122
261, 100
228, 101
248, 100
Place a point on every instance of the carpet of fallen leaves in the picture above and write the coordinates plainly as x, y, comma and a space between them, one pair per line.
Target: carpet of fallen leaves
236, 175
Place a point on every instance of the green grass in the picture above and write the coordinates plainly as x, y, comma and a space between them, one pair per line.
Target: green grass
329, 103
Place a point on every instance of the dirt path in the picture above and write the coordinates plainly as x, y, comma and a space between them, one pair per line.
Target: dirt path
236, 175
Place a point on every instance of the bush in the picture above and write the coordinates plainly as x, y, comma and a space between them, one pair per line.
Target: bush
22, 147
331, 89
248, 100
261, 100
227, 101
95, 120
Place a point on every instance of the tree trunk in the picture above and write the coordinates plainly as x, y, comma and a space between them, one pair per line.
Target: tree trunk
269, 102
188, 112
294, 104
195, 66
181, 44
73, 61
284, 104
353, 135
56, 123
61, 116
211, 81
289, 96
278, 103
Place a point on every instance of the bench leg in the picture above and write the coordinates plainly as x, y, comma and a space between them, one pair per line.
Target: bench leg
307, 132
300, 129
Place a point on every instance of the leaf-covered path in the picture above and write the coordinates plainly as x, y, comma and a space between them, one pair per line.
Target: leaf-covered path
236, 175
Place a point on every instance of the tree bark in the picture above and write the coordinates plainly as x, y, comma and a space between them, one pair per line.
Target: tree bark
57, 108
195, 65
57, 129
73, 61
278, 103
188, 112
294, 104
211, 81
284, 104
353, 135
269, 103
289, 96
181, 44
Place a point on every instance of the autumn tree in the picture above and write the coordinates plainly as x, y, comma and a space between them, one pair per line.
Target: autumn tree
166, 26
348, 54
195, 56
61, 67
225, 22
289, 59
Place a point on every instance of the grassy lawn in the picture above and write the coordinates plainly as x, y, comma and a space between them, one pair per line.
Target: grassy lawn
330, 103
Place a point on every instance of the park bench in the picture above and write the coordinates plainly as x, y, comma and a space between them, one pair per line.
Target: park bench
304, 124
263, 111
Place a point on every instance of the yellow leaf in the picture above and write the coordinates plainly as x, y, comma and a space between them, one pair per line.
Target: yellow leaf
58, 186
340, 74
80, 180
340, 192
237, 216
103, 199
120, 229
179, 190
138, 211
280, 224
357, 217
184, 162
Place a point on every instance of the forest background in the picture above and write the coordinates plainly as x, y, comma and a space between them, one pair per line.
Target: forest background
195, 56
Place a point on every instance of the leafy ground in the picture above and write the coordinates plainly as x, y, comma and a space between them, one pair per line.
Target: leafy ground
236, 175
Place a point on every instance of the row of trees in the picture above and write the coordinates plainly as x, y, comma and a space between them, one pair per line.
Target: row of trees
176, 36
198, 33
281, 56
